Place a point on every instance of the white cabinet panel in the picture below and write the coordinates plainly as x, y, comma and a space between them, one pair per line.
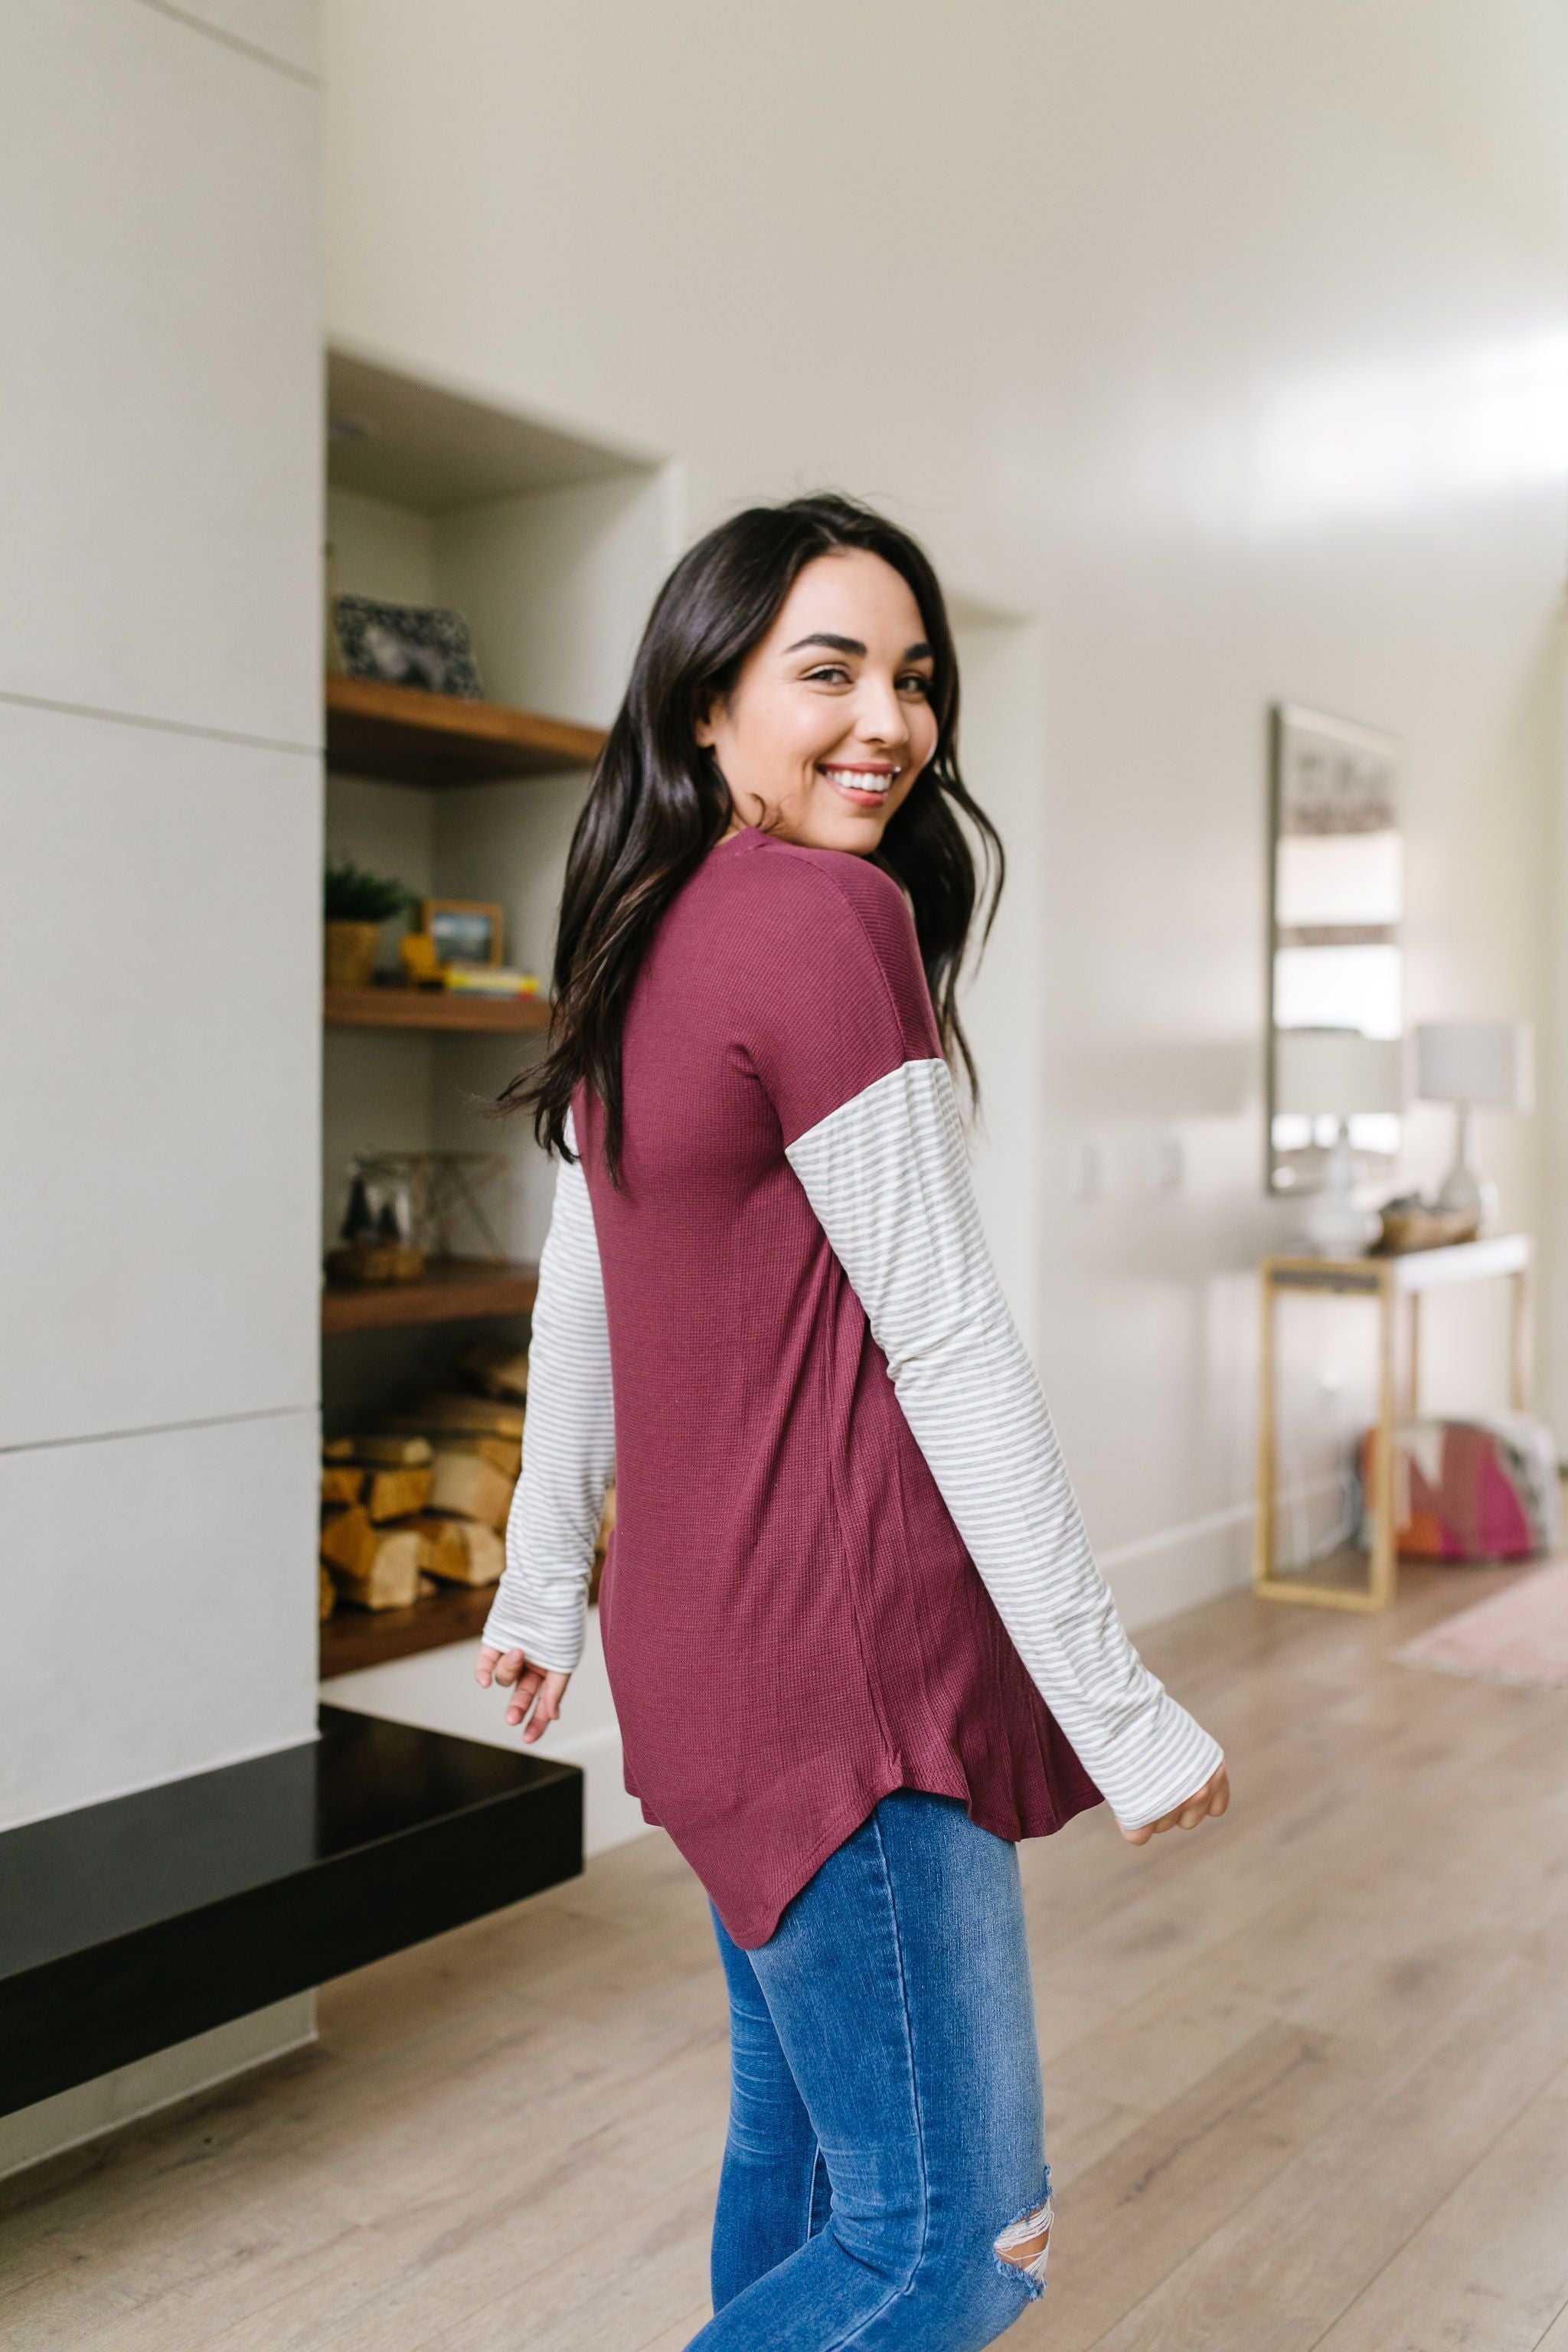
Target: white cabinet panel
160, 435
160, 1070
160, 1608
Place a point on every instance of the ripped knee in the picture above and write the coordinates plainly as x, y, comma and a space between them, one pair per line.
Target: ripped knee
1025, 2243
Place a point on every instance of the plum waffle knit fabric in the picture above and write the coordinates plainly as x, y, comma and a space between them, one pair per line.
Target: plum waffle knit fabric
792, 1622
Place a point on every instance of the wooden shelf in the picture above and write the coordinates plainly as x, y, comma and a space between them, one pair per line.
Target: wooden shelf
403, 735
453, 1289
434, 1008
352, 1638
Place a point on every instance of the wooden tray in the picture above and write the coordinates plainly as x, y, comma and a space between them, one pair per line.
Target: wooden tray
1405, 1230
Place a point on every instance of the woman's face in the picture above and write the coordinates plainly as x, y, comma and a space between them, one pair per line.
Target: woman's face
830, 720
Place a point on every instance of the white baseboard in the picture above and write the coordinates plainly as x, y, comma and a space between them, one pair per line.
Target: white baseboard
110, 2101
435, 1689
611, 1815
1180, 1568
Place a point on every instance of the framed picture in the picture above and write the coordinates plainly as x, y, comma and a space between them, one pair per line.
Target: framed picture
423, 646
1336, 965
464, 931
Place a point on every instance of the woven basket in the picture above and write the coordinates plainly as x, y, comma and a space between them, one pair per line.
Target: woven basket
375, 1263
1422, 1229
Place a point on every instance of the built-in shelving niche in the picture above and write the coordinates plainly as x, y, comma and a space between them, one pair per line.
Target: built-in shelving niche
552, 544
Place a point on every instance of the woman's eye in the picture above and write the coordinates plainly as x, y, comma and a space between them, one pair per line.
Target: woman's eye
835, 673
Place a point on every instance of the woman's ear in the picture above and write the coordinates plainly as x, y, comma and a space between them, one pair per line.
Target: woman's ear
706, 730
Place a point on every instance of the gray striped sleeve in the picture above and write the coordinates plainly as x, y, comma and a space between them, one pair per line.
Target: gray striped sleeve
888, 1175
568, 1442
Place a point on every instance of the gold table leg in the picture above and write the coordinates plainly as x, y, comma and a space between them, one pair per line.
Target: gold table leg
1384, 1559
1380, 1588
1519, 1340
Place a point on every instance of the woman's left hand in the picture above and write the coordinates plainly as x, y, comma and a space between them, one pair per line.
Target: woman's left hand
1212, 1798
539, 1687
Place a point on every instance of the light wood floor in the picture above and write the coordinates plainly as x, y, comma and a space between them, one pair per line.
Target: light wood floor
1306, 2069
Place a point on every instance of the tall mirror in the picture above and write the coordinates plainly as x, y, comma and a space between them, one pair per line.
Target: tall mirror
1336, 991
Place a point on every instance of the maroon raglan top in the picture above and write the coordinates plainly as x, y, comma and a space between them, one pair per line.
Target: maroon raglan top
792, 1624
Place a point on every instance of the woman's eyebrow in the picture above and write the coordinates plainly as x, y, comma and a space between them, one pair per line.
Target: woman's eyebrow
839, 644
919, 651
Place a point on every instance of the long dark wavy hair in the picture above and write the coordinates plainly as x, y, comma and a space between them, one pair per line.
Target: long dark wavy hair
659, 801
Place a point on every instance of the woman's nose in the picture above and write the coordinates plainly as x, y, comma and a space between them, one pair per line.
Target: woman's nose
880, 717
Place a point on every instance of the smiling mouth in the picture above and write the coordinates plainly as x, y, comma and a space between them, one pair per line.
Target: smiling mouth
867, 787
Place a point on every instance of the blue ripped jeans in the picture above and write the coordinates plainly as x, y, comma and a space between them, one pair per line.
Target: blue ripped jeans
886, 2121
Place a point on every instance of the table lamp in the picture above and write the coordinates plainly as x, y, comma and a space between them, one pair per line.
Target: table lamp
1477, 1064
1337, 1073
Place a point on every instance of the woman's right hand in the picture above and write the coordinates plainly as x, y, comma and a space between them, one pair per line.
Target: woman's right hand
1212, 1798
539, 1687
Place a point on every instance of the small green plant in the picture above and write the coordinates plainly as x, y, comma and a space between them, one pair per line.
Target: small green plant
353, 896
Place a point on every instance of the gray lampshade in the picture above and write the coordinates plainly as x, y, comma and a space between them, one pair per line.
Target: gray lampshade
1338, 1071
1489, 1063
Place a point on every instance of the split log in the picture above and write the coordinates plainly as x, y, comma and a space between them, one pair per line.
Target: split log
392, 1452
390, 1578
341, 1483
460, 1551
397, 1493
444, 1409
602, 1542
464, 1440
326, 1594
470, 1488
498, 1370
337, 1449
606, 1521
503, 1454
348, 1540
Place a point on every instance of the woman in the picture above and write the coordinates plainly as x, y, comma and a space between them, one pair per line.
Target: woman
858, 1643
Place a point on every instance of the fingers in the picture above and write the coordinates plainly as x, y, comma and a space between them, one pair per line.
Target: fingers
536, 1687
1146, 1830
546, 1704
503, 1665
1210, 1800
529, 1683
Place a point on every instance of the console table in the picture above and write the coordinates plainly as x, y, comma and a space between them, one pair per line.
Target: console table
1388, 1283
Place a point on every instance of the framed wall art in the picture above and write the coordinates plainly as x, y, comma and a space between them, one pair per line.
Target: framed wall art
1336, 967
463, 930
423, 646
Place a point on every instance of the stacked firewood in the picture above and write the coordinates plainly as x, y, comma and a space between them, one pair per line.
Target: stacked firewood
423, 1499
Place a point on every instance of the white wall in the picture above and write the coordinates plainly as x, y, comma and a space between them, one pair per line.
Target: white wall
1553, 1069
1003, 747
159, 917
1221, 346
